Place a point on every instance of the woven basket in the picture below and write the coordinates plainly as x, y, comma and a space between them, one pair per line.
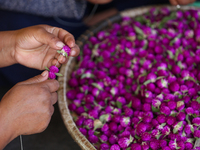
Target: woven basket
67, 69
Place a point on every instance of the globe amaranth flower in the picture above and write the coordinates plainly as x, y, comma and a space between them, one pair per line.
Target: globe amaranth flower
145, 136
125, 142
196, 121
113, 139
104, 146
115, 147
125, 121
136, 146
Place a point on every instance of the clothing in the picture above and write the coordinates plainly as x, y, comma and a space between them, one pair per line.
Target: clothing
47, 8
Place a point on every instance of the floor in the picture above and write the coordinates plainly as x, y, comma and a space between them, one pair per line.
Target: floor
55, 137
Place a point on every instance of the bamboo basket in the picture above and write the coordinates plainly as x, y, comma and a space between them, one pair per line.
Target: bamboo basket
67, 69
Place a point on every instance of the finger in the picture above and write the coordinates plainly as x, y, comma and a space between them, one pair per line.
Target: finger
48, 38
56, 63
185, 2
37, 79
173, 2
54, 97
52, 85
75, 51
64, 36
51, 110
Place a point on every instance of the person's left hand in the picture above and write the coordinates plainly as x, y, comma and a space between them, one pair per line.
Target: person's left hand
36, 46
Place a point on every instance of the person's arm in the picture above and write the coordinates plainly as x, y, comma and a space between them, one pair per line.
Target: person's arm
181, 2
27, 108
35, 46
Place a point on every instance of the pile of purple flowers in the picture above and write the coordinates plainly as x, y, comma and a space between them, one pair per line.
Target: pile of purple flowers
137, 83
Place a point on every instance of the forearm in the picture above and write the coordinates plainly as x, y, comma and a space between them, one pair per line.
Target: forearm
7, 45
6, 133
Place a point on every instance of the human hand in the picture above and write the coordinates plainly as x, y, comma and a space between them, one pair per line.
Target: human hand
181, 2
99, 1
27, 107
36, 46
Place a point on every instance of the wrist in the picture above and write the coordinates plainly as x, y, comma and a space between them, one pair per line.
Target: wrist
7, 48
7, 131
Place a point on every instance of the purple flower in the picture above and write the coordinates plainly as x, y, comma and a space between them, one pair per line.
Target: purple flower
174, 86
170, 120
189, 110
189, 129
113, 126
83, 131
104, 146
136, 146
54, 69
113, 139
196, 121
166, 130
105, 127
166, 148
146, 107
171, 105
125, 121
156, 103
172, 144
115, 147
93, 138
163, 143
125, 142
165, 110
161, 118
67, 49
128, 112
136, 103
154, 144
141, 127
181, 116
188, 145
52, 75
88, 123
145, 136
103, 138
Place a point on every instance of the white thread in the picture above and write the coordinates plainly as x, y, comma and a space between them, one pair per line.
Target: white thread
21, 142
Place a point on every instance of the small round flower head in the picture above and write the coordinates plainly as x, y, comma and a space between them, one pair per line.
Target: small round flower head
126, 133
93, 113
145, 136
188, 128
141, 127
189, 110
72, 107
170, 120
136, 146
124, 142
172, 144
163, 143
105, 127
181, 145
104, 146
146, 107
188, 145
161, 118
151, 87
67, 49
165, 110
174, 86
162, 83
113, 126
197, 133
196, 121
181, 116
54, 69
154, 122
116, 111
128, 112
115, 147
166, 148
93, 138
122, 100
156, 103
52, 75
80, 110
166, 130
88, 123
136, 103
83, 131
195, 105
125, 121
103, 138
154, 144
113, 139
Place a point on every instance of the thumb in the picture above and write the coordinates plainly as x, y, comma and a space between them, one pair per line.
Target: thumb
37, 79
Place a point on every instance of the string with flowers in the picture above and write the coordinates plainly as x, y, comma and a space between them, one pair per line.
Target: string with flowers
53, 70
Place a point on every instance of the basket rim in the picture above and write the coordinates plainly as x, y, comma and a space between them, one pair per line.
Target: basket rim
80, 139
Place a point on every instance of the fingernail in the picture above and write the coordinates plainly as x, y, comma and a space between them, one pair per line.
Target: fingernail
44, 73
73, 52
60, 44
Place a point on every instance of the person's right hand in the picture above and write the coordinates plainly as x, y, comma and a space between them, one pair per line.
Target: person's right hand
27, 107
99, 1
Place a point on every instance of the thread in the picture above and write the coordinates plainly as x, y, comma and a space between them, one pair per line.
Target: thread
21, 143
